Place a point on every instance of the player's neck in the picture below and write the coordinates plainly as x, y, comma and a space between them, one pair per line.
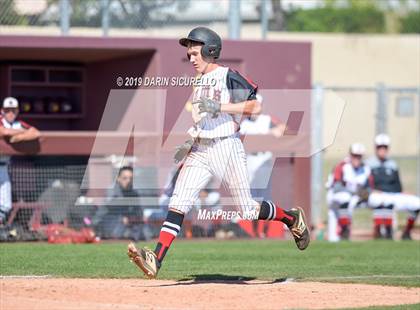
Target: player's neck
210, 67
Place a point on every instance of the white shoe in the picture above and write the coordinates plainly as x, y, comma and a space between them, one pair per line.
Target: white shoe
146, 260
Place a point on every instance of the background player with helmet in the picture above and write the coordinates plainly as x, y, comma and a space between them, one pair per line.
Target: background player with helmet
215, 150
388, 192
348, 186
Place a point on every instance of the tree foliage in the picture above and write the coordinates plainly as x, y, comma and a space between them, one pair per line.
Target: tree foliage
8, 15
411, 22
85, 13
354, 19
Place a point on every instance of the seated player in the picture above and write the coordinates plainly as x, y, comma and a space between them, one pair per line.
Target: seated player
122, 216
387, 192
347, 187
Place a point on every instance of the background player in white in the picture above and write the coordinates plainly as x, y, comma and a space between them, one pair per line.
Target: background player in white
13, 131
387, 186
260, 164
215, 150
348, 186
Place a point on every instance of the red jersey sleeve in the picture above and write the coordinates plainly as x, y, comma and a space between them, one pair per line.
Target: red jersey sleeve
25, 125
338, 172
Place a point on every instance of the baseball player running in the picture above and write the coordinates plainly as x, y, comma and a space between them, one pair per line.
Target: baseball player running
215, 150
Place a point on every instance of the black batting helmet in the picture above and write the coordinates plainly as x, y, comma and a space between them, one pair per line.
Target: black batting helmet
212, 44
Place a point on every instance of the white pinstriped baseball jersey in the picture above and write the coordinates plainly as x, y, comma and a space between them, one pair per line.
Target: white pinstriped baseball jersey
225, 86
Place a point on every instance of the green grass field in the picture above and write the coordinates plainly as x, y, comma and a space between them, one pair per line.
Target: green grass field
379, 262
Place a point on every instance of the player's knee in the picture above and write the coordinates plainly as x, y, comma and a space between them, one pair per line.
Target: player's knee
180, 205
176, 210
342, 198
250, 208
375, 200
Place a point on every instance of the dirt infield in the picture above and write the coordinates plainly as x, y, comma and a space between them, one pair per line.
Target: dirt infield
95, 294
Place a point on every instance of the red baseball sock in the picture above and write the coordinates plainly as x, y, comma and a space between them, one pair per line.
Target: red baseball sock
269, 211
378, 221
410, 224
170, 229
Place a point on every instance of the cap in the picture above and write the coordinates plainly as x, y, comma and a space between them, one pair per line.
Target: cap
382, 140
10, 103
357, 149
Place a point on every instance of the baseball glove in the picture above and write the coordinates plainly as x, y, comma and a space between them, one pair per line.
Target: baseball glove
208, 105
182, 150
363, 193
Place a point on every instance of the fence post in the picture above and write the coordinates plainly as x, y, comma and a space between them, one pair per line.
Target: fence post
418, 143
64, 17
264, 19
105, 17
234, 19
381, 109
317, 156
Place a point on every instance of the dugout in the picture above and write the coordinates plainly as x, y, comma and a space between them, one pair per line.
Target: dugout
65, 82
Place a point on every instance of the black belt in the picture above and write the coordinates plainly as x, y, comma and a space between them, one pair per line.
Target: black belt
257, 153
208, 141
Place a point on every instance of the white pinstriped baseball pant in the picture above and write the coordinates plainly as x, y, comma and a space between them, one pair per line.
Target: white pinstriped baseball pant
226, 160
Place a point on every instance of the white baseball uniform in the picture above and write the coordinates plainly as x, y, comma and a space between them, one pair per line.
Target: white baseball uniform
5, 186
342, 195
259, 164
217, 150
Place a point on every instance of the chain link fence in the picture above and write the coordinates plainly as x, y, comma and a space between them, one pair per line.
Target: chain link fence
49, 202
125, 17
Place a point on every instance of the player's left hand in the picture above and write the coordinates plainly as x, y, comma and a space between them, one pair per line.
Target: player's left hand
210, 106
15, 139
182, 150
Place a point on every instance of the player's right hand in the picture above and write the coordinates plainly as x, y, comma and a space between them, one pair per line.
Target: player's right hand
206, 105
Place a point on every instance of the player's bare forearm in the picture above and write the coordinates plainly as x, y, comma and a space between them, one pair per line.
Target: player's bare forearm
248, 107
27, 135
31, 134
278, 131
10, 132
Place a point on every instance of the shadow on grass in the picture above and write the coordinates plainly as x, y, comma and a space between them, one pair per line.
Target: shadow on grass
221, 278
